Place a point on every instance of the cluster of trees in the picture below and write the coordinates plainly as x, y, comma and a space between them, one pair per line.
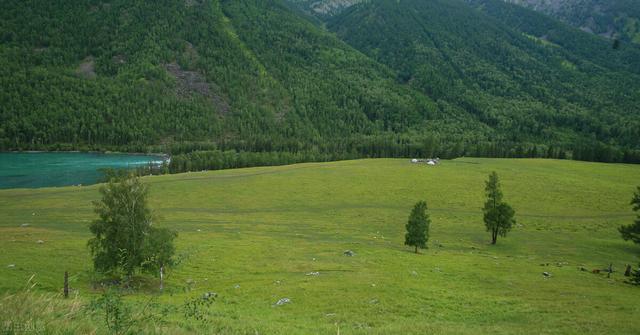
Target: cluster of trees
126, 240
218, 160
392, 146
498, 217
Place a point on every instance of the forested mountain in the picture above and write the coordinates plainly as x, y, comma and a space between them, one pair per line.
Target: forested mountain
324, 8
541, 81
609, 18
384, 78
242, 74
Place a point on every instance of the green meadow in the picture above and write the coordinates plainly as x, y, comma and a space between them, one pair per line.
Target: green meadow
254, 235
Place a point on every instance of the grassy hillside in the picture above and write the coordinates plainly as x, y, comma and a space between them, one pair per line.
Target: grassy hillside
253, 235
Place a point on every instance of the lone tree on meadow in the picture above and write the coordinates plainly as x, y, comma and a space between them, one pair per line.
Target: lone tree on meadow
632, 231
635, 277
418, 227
498, 215
125, 239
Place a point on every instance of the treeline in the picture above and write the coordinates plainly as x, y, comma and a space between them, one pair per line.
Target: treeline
231, 159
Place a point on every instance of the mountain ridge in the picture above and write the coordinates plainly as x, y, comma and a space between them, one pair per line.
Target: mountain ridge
615, 19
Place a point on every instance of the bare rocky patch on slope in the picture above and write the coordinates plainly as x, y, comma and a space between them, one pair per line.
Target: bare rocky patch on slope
325, 7
87, 68
189, 82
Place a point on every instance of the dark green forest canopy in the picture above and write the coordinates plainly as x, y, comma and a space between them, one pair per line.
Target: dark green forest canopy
260, 76
615, 19
528, 84
248, 73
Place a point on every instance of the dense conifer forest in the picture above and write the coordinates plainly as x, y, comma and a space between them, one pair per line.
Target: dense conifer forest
614, 19
221, 83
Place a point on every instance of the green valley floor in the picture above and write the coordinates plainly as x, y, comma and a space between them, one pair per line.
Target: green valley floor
255, 236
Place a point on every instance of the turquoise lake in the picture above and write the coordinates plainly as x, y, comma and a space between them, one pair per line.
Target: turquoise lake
48, 169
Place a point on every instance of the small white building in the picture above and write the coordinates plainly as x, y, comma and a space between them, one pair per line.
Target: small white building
428, 161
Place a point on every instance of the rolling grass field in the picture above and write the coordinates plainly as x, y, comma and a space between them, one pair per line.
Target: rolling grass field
253, 235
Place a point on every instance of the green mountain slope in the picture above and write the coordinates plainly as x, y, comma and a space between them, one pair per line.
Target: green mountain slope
609, 18
527, 85
249, 75
324, 8
259, 76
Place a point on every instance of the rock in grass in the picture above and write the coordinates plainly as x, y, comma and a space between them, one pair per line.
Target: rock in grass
349, 253
11, 266
283, 301
40, 241
210, 295
313, 274
546, 274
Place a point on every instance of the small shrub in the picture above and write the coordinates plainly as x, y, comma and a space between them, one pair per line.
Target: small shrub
120, 317
195, 308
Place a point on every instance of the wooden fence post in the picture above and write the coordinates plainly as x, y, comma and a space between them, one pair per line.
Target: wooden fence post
66, 284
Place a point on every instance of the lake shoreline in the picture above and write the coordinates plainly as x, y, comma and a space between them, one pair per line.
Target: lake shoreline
37, 169
159, 154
